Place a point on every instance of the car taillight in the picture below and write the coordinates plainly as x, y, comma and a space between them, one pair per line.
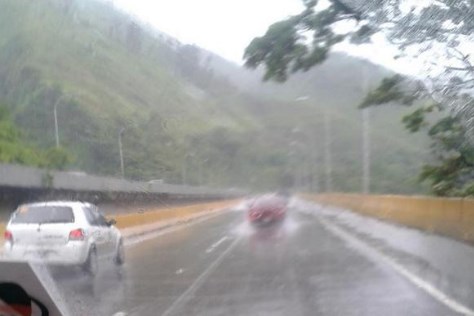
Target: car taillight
8, 235
76, 234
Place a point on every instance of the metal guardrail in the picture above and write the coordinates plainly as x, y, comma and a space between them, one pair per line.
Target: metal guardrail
14, 176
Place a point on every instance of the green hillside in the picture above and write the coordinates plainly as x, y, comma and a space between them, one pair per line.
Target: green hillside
337, 87
188, 114
84, 52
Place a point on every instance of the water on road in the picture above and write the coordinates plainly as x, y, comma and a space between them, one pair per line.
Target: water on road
224, 266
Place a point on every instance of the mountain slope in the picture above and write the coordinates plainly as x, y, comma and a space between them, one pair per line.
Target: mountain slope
187, 114
337, 87
54, 49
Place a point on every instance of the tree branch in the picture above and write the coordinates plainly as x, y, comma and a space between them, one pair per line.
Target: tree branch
346, 9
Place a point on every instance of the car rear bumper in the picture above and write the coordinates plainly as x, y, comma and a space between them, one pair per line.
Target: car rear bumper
69, 254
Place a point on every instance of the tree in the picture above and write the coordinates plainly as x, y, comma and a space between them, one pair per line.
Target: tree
448, 124
56, 158
445, 26
13, 149
304, 40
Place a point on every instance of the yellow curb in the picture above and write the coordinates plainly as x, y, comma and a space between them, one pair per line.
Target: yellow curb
163, 214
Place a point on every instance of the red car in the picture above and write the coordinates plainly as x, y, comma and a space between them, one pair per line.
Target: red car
267, 209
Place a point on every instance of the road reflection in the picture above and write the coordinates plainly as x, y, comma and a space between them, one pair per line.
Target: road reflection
85, 295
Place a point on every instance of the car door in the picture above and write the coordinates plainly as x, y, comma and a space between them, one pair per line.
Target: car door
96, 230
107, 234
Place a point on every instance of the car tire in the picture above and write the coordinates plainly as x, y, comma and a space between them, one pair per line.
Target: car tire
91, 266
119, 258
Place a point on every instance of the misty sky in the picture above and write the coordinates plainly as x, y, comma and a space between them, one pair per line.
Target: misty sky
227, 26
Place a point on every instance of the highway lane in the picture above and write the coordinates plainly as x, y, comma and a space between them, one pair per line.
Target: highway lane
223, 266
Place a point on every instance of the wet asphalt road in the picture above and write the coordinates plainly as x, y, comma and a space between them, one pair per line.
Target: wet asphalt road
223, 266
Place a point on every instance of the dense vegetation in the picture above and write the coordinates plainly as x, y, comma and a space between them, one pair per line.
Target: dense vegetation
14, 150
187, 115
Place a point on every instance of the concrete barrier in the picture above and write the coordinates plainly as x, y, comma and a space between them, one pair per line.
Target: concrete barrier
28, 178
163, 214
451, 217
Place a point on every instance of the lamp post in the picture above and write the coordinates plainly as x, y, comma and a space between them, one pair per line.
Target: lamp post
327, 150
122, 167
327, 145
55, 113
366, 150
200, 173
184, 170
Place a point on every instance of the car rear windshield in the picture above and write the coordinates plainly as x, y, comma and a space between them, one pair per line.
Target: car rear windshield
43, 215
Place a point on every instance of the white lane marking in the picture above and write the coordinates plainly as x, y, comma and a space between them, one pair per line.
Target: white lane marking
413, 278
181, 300
151, 235
216, 244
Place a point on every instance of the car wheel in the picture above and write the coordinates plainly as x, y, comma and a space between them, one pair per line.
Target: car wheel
91, 266
120, 255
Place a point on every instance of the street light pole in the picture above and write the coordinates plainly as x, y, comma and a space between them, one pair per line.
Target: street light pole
313, 166
184, 167
183, 171
327, 144
327, 150
56, 125
200, 173
366, 150
122, 167
200, 167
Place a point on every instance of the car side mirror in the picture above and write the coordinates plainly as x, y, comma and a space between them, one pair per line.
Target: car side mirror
111, 222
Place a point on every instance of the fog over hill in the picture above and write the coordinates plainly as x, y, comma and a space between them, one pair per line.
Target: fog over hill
188, 115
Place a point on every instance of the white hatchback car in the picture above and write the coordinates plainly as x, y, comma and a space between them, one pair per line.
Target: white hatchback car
63, 233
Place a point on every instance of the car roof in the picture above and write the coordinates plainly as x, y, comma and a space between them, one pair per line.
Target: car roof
71, 204
266, 198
